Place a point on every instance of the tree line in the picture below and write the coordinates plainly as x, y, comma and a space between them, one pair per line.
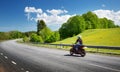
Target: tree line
73, 26
79, 23
43, 34
14, 34
10, 35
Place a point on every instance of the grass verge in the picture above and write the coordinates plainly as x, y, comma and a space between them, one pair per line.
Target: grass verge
67, 48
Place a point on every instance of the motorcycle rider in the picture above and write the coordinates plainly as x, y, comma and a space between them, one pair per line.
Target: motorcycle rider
78, 43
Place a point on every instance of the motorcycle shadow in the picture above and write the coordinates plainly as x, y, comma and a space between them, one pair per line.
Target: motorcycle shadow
75, 55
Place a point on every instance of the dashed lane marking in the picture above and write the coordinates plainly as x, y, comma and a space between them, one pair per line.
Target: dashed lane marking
1, 53
6, 57
14, 62
22, 68
26, 71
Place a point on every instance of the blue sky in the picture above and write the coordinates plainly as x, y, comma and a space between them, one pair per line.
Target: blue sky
22, 14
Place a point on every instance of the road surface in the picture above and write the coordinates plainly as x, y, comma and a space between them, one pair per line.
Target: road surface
15, 57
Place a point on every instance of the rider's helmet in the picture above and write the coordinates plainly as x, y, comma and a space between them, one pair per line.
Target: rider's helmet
79, 37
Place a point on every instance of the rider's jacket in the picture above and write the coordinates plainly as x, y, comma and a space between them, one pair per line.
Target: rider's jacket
79, 41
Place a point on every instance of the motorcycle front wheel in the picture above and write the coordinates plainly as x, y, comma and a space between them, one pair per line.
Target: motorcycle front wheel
83, 53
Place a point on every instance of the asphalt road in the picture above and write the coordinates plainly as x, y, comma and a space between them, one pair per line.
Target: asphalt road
16, 57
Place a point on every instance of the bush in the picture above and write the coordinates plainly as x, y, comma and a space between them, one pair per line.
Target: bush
57, 35
54, 37
26, 39
51, 39
4, 36
15, 34
45, 34
36, 38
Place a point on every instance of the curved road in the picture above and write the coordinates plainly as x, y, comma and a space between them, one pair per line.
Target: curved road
23, 58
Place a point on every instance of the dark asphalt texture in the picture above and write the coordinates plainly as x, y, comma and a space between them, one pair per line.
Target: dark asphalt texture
15, 57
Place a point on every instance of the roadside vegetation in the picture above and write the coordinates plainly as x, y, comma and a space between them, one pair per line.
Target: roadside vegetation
94, 31
100, 37
79, 23
75, 25
103, 37
11, 35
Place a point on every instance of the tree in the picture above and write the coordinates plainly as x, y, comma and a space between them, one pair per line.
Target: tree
103, 22
57, 35
78, 24
111, 24
117, 26
63, 31
28, 34
88, 25
36, 38
26, 39
40, 25
92, 19
45, 33
4, 35
15, 34
54, 37
73, 26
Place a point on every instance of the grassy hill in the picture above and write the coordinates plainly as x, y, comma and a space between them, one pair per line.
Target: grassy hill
106, 37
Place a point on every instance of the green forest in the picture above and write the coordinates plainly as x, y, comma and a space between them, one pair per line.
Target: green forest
72, 27
79, 23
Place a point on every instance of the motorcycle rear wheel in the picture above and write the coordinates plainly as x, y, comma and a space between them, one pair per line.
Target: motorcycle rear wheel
82, 55
71, 53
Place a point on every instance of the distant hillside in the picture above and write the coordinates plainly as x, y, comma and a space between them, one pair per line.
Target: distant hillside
106, 37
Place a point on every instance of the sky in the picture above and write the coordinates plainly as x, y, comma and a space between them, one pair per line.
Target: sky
22, 15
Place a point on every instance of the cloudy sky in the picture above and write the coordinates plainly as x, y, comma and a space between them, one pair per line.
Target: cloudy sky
22, 14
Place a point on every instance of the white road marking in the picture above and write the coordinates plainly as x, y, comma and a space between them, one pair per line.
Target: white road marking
106, 67
6, 57
1, 53
14, 62
26, 71
22, 68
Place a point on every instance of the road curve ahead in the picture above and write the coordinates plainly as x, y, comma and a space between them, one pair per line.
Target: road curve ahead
23, 58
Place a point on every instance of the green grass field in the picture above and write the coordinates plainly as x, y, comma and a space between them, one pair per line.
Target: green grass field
104, 37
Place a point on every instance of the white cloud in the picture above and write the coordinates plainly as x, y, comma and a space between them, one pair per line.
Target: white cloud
32, 10
51, 17
110, 14
56, 12
29, 10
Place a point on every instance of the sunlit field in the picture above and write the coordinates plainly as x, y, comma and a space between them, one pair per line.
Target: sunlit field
104, 37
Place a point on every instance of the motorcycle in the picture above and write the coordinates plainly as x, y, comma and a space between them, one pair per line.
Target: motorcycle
80, 50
